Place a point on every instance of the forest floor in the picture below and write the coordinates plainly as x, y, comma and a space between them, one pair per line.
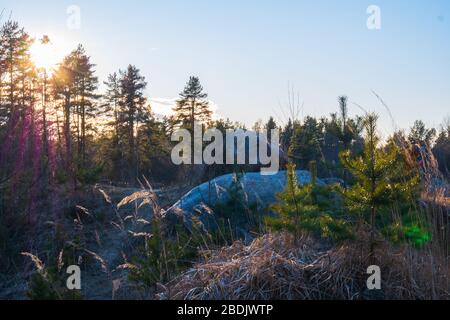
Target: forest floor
104, 280
271, 262
105, 244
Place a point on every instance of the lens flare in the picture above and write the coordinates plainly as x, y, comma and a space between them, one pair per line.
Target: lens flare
48, 51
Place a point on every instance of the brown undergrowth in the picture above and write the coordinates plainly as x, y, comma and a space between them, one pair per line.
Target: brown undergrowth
277, 266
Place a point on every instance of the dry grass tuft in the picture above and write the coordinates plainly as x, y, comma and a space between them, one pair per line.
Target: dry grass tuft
36, 261
276, 267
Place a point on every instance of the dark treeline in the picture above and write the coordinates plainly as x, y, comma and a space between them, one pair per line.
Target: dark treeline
58, 133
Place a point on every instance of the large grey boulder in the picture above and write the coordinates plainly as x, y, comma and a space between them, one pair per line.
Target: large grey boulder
258, 189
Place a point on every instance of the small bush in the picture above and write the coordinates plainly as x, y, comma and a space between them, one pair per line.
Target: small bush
49, 283
313, 208
161, 258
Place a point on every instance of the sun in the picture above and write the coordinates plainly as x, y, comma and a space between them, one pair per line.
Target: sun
48, 51
43, 55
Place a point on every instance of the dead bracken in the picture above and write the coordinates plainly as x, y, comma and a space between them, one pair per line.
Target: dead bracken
275, 266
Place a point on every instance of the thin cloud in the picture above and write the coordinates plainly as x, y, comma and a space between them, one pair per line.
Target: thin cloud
163, 107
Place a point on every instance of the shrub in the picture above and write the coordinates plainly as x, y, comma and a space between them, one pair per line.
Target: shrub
235, 214
382, 180
49, 283
311, 207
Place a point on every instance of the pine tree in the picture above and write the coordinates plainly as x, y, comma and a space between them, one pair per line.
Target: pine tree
258, 126
74, 87
441, 149
310, 208
133, 110
382, 178
420, 135
20, 127
286, 135
192, 105
86, 85
111, 109
306, 142
347, 130
129, 117
17, 70
112, 98
270, 125
63, 92
3, 113
153, 144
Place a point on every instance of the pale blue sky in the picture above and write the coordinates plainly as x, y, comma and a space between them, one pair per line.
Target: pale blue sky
247, 52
